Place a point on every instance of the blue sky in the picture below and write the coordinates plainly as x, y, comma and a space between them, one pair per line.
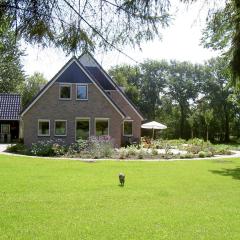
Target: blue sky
180, 41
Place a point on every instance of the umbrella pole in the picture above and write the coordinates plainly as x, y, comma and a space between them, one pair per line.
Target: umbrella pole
153, 133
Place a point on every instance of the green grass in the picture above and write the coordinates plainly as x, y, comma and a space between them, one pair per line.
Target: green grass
58, 199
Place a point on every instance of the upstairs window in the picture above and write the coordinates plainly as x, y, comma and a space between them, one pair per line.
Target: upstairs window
127, 128
82, 92
65, 92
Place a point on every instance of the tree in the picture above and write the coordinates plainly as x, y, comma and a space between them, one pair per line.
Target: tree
143, 84
31, 87
208, 117
11, 73
218, 90
127, 77
191, 120
87, 24
223, 33
151, 84
183, 87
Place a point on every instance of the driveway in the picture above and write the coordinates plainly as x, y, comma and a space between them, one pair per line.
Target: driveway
3, 147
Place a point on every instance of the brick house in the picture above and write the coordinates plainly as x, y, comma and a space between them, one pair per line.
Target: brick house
81, 101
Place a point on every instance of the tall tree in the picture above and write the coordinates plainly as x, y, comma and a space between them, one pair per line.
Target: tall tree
208, 117
217, 90
183, 87
127, 77
11, 73
151, 84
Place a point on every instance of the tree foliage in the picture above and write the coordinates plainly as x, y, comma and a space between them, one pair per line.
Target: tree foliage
223, 33
31, 87
86, 24
192, 100
11, 73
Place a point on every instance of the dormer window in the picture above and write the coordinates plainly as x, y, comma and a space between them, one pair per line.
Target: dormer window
82, 92
65, 92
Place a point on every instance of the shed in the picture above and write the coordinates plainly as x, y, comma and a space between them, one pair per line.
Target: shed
10, 107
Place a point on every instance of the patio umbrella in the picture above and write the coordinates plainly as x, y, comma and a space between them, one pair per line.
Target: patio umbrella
153, 125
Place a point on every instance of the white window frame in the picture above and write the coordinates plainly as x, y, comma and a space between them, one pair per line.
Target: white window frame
95, 122
65, 85
127, 135
82, 118
60, 120
79, 85
44, 135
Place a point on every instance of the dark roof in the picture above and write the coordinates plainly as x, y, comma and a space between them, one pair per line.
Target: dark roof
10, 106
100, 78
73, 74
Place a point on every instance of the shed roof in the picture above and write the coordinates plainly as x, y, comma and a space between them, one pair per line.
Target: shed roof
10, 106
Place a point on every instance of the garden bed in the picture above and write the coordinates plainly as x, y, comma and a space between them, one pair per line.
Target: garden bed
103, 148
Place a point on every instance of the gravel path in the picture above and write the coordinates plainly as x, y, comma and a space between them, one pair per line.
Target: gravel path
3, 147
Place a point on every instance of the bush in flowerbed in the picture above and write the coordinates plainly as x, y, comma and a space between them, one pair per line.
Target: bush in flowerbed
154, 152
77, 149
222, 150
141, 154
132, 150
122, 153
48, 148
176, 143
158, 143
187, 155
100, 147
19, 148
202, 154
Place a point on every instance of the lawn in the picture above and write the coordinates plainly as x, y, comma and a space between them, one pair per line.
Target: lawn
59, 199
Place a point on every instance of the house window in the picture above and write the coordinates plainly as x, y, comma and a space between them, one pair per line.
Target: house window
65, 92
127, 128
60, 128
5, 128
82, 92
43, 127
82, 128
101, 127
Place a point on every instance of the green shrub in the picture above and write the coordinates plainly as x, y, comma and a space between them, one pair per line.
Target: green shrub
154, 152
42, 148
187, 155
176, 142
209, 154
58, 149
222, 150
167, 149
48, 148
141, 153
19, 148
132, 150
202, 154
99, 147
122, 153
194, 149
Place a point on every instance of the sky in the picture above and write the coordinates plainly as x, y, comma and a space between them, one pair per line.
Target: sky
180, 41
